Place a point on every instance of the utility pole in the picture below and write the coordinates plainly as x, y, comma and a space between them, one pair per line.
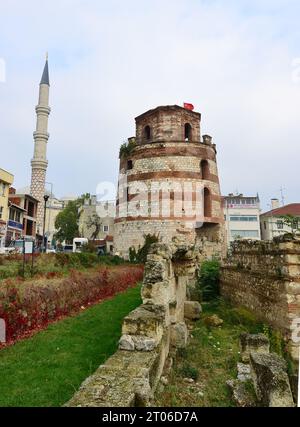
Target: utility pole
282, 196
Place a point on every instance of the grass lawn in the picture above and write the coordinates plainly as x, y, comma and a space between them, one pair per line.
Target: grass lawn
210, 358
47, 369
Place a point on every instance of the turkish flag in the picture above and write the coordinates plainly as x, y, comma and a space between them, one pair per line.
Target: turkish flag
188, 106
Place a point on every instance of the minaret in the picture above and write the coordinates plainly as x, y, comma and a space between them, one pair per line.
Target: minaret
39, 162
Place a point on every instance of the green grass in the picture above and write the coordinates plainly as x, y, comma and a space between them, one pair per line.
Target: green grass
48, 368
210, 358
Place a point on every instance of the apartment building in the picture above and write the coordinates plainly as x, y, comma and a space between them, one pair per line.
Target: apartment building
241, 215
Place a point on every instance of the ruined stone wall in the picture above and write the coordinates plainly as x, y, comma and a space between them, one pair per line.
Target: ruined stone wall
149, 333
265, 277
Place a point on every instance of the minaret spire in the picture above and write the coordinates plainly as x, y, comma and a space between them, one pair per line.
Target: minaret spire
39, 162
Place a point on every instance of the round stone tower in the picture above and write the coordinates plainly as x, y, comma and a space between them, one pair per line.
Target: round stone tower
168, 183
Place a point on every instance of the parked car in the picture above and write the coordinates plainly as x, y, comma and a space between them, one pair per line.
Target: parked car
78, 243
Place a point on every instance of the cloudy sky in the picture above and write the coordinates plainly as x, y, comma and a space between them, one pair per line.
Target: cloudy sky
237, 61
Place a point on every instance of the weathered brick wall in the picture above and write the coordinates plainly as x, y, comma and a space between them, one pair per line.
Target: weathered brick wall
131, 375
167, 159
265, 277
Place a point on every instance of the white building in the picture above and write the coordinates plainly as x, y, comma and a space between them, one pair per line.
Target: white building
241, 215
272, 222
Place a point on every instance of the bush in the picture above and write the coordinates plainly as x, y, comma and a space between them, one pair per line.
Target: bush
89, 247
140, 256
188, 371
209, 279
244, 317
33, 306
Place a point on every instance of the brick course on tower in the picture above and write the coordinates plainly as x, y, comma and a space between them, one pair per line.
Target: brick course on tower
39, 162
168, 150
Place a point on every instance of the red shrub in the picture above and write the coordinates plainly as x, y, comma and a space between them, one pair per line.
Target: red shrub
32, 306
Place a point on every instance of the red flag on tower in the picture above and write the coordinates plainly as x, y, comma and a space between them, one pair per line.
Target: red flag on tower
188, 106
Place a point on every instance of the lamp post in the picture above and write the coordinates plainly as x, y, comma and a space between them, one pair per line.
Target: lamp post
46, 198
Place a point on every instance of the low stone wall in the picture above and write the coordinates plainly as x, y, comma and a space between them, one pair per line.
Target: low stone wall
265, 278
149, 333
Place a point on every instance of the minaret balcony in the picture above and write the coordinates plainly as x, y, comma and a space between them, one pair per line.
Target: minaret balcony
41, 135
43, 109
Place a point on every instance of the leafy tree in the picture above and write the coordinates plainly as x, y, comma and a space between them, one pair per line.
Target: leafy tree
140, 256
67, 220
291, 222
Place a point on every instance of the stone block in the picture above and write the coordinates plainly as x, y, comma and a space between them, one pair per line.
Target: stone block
179, 335
271, 382
258, 343
192, 310
147, 320
244, 372
213, 321
240, 394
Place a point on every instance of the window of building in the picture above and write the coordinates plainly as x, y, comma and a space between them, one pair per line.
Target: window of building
18, 216
187, 132
246, 218
265, 225
2, 189
236, 234
204, 167
12, 214
280, 225
1, 211
147, 133
129, 165
105, 228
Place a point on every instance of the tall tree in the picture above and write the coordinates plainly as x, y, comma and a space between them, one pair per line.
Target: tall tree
67, 220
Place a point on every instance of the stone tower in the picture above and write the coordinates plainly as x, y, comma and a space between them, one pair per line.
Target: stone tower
39, 162
169, 183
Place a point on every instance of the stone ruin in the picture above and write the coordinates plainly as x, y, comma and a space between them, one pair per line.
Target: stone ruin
264, 277
265, 371
150, 333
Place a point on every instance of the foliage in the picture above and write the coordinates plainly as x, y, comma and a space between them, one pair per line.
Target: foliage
68, 219
209, 278
127, 148
46, 369
34, 304
188, 371
291, 222
89, 247
277, 344
140, 256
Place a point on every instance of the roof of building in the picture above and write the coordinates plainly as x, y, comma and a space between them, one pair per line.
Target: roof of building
18, 195
45, 76
240, 196
292, 209
13, 205
166, 108
6, 176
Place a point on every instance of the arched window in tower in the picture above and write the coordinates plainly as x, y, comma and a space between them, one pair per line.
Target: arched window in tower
147, 133
187, 132
204, 168
207, 203
129, 165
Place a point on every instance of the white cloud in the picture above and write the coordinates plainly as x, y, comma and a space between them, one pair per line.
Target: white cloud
110, 61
